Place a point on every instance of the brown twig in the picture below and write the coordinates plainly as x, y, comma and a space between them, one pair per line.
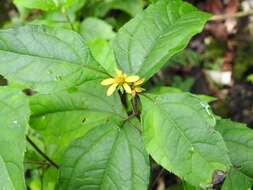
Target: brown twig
231, 16
42, 153
35, 162
123, 99
134, 102
157, 178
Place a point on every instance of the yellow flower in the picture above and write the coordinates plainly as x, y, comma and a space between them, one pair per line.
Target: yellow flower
136, 87
120, 80
139, 82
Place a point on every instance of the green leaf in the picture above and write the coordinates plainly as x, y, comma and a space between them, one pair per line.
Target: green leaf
45, 59
236, 180
250, 78
67, 3
57, 18
14, 116
103, 53
77, 5
110, 157
132, 7
153, 1
45, 5
165, 89
94, 28
158, 90
50, 179
188, 186
239, 140
99, 8
146, 43
64, 116
178, 132
207, 99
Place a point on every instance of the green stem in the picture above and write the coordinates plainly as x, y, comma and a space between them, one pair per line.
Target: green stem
64, 12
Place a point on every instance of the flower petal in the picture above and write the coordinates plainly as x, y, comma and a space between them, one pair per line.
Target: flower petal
139, 82
127, 88
107, 82
133, 93
133, 78
111, 89
118, 72
139, 89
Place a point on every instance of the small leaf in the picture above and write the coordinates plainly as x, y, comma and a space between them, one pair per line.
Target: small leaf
67, 115
14, 116
237, 180
103, 53
109, 157
146, 43
45, 59
102, 7
45, 5
239, 140
250, 78
178, 132
94, 28
132, 7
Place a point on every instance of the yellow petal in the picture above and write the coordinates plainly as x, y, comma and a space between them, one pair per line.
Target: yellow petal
133, 78
127, 88
139, 89
118, 72
111, 89
139, 82
107, 82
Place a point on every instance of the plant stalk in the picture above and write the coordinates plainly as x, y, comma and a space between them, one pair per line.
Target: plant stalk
64, 12
232, 16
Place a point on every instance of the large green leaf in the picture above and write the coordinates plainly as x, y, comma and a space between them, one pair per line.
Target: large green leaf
237, 181
14, 116
239, 140
64, 116
144, 44
178, 132
46, 59
153, 1
109, 157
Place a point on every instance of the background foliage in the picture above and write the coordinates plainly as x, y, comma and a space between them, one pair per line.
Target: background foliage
69, 118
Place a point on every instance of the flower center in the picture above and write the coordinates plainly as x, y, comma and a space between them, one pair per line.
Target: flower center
120, 80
